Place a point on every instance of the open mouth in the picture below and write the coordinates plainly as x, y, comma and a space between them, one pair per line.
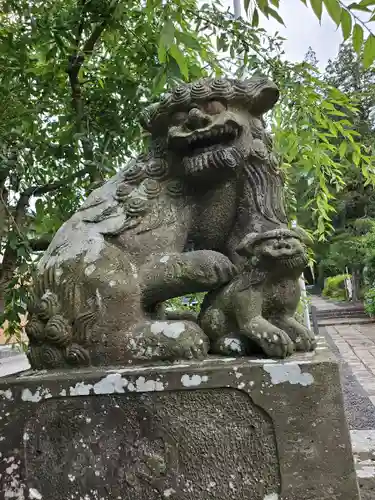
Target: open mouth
201, 141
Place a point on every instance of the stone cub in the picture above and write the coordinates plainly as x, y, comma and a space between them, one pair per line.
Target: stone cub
254, 313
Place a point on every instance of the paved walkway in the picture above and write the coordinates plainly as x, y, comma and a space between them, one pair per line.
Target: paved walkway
354, 345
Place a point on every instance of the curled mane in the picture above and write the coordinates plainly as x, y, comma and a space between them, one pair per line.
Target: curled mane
265, 178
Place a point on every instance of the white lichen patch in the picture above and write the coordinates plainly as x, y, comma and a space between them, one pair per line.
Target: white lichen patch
39, 394
7, 394
193, 380
90, 269
143, 385
110, 384
80, 389
171, 330
114, 383
281, 373
164, 259
34, 494
272, 496
233, 344
168, 492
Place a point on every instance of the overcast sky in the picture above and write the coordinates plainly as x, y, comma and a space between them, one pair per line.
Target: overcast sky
303, 30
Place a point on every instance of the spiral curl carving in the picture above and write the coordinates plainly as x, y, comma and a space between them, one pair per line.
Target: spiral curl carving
150, 188
221, 89
135, 173
136, 207
51, 357
181, 95
58, 330
123, 190
35, 329
175, 188
48, 306
200, 91
77, 355
34, 355
157, 169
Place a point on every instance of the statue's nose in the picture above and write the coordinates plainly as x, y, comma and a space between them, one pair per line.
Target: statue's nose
282, 244
197, 119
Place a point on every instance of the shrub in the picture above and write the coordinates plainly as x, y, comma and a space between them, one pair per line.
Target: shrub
369, 302
334, 287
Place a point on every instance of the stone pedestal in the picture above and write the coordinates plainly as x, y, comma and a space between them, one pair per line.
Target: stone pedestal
221, 429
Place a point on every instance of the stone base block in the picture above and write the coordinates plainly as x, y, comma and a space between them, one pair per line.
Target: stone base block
222, 429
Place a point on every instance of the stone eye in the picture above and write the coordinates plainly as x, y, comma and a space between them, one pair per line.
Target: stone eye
214, 107
179, 117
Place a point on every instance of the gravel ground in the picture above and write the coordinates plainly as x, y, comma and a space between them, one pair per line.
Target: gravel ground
360, 412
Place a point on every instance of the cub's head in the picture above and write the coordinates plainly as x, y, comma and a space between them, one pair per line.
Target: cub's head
207, 125
277, 251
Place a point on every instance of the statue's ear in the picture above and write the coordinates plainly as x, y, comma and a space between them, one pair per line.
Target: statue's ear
245, 247
303, 236
265, 94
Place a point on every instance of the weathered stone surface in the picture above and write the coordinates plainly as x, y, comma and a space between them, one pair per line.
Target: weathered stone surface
169, 224
363, 445
222, 428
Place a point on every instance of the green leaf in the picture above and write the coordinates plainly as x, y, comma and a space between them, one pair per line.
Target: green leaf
358, 6
162, 54
369, 51
178, 56
167, 35
346, 24
356, 158
276, 3
342, 149
367, 3
246, 5
255, 20
317, 7
188, 40
334, 10
275, 15
357, 38
263, 7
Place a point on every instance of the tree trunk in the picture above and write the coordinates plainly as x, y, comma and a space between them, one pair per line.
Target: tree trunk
356, 282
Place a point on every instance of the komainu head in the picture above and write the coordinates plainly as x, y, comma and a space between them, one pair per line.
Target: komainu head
278, 251
209, 124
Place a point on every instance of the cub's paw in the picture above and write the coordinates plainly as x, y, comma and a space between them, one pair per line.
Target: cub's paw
275, 343
305, 340
194, 344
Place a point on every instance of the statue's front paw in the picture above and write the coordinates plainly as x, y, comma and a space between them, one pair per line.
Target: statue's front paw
275, 343
222, 270
304, 340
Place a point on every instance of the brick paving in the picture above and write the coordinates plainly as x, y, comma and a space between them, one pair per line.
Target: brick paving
356, 344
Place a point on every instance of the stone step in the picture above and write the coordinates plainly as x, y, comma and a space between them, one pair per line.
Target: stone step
345, 311
345, 321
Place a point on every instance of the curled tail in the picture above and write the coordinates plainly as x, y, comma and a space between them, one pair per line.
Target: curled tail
59, 323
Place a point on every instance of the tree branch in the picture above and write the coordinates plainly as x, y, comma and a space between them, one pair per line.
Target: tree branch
54, 186
75, 64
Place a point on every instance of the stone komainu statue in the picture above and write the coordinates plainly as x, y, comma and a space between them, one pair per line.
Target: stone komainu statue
167, 225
